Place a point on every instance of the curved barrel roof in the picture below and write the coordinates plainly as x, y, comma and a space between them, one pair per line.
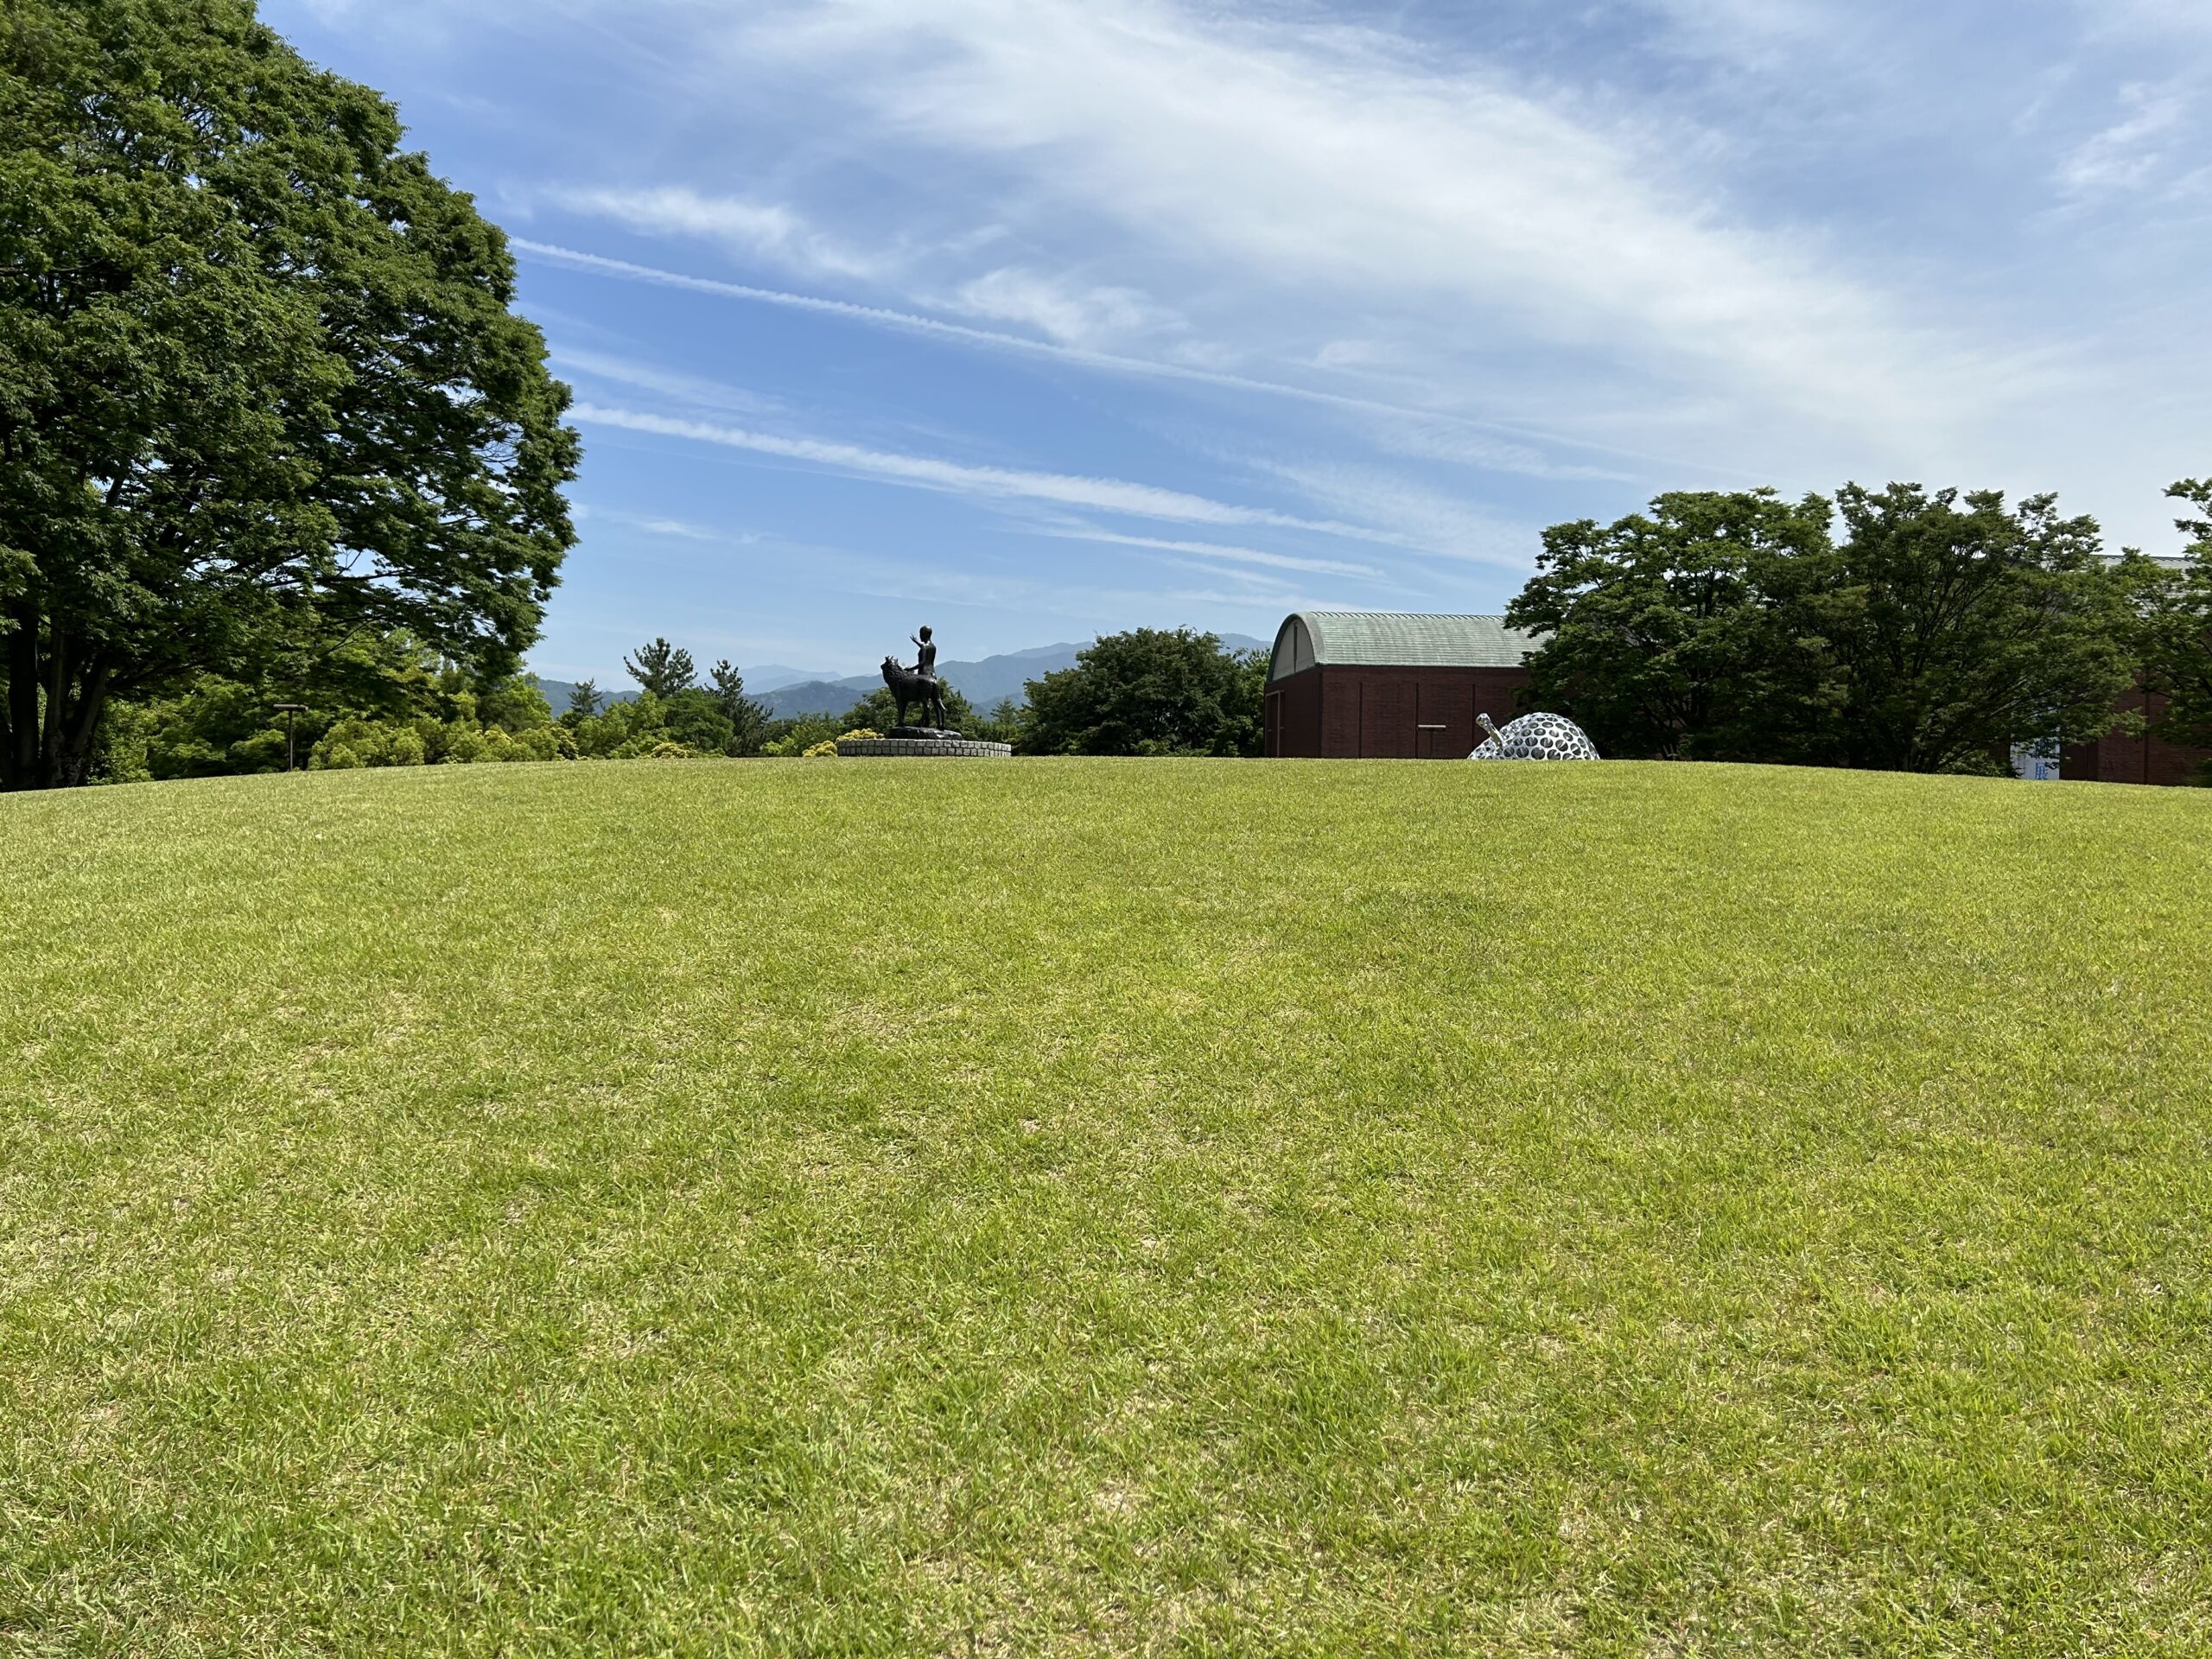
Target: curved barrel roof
1395, 639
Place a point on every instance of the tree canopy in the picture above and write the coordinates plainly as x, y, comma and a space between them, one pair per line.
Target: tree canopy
662, 669
1149, 692
2177, 651
258, 375
1664, 636
1952, 628
747, 719
1937, 630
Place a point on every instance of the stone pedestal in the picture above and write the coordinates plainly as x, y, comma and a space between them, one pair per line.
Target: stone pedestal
936, 743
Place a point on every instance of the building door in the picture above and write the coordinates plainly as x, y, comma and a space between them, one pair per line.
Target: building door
1446, 723
1275, 723
1389, 712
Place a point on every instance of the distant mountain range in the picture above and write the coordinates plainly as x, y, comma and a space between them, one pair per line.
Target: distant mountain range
773, 677
785, 691
985, 683
556, 692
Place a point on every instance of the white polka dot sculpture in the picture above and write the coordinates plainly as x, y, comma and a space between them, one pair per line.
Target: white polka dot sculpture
1534, 737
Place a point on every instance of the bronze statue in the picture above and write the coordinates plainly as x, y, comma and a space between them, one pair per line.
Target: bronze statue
918, 684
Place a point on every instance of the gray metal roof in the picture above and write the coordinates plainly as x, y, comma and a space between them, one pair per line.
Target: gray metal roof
1397, 639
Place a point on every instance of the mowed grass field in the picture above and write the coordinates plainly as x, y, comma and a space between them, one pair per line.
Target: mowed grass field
1059, 1207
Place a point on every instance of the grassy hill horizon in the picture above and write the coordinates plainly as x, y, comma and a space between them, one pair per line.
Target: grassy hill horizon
1072, 1206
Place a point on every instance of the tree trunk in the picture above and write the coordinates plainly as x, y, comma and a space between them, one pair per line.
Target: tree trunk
19, 759
73, 757
57, 701
45, 731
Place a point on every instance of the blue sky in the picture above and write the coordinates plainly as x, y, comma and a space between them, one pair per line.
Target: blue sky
1036, 319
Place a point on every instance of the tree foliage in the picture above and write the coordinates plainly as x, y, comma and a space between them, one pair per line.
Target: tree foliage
1952, 628
376, 688
748, 720
1937, 630
256, 364
2178, 652
1149, 692
662, 669
1665, 635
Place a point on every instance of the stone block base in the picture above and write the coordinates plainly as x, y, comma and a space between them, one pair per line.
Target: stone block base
923, 746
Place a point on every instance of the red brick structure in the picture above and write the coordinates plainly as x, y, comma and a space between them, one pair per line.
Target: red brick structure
2117, 758
1348, 684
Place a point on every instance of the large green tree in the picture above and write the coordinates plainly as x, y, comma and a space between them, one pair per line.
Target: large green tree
2178, 646
1149, 692
1937, 630
258, 371
1664, 633
1955, 627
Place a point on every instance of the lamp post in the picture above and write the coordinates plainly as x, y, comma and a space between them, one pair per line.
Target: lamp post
291, 711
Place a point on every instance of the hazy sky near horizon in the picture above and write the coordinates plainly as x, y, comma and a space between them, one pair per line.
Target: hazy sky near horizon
1035, 319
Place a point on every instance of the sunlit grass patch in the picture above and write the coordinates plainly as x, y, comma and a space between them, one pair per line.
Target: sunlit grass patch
840, 1206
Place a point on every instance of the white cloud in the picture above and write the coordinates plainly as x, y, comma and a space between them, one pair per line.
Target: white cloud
655, 525
1414, 514
1512, 455
765, 230
1761, 35
1082, 532
1337, 164
2187, 20
1431, 440
2125, 155
1105, 494
1354, 354
1070, 312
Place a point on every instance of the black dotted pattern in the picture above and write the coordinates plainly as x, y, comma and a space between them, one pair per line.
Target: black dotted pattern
1538, 737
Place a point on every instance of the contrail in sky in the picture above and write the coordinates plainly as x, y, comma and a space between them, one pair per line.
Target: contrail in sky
1111, 494
992, 339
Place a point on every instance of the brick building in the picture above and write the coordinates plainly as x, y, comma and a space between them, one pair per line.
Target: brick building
1353, 684
1345, 684
2118, 758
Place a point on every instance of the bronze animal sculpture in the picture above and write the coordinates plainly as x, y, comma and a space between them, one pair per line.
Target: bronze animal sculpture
908, 687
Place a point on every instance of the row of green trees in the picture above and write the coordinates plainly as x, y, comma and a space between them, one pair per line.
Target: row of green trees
1903, 630
389, 700
2177, 636
1149, 692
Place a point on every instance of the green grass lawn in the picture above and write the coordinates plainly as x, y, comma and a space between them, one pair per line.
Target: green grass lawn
1091, 1206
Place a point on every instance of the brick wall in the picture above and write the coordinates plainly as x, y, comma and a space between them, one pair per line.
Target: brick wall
2116, 759
1346, 712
